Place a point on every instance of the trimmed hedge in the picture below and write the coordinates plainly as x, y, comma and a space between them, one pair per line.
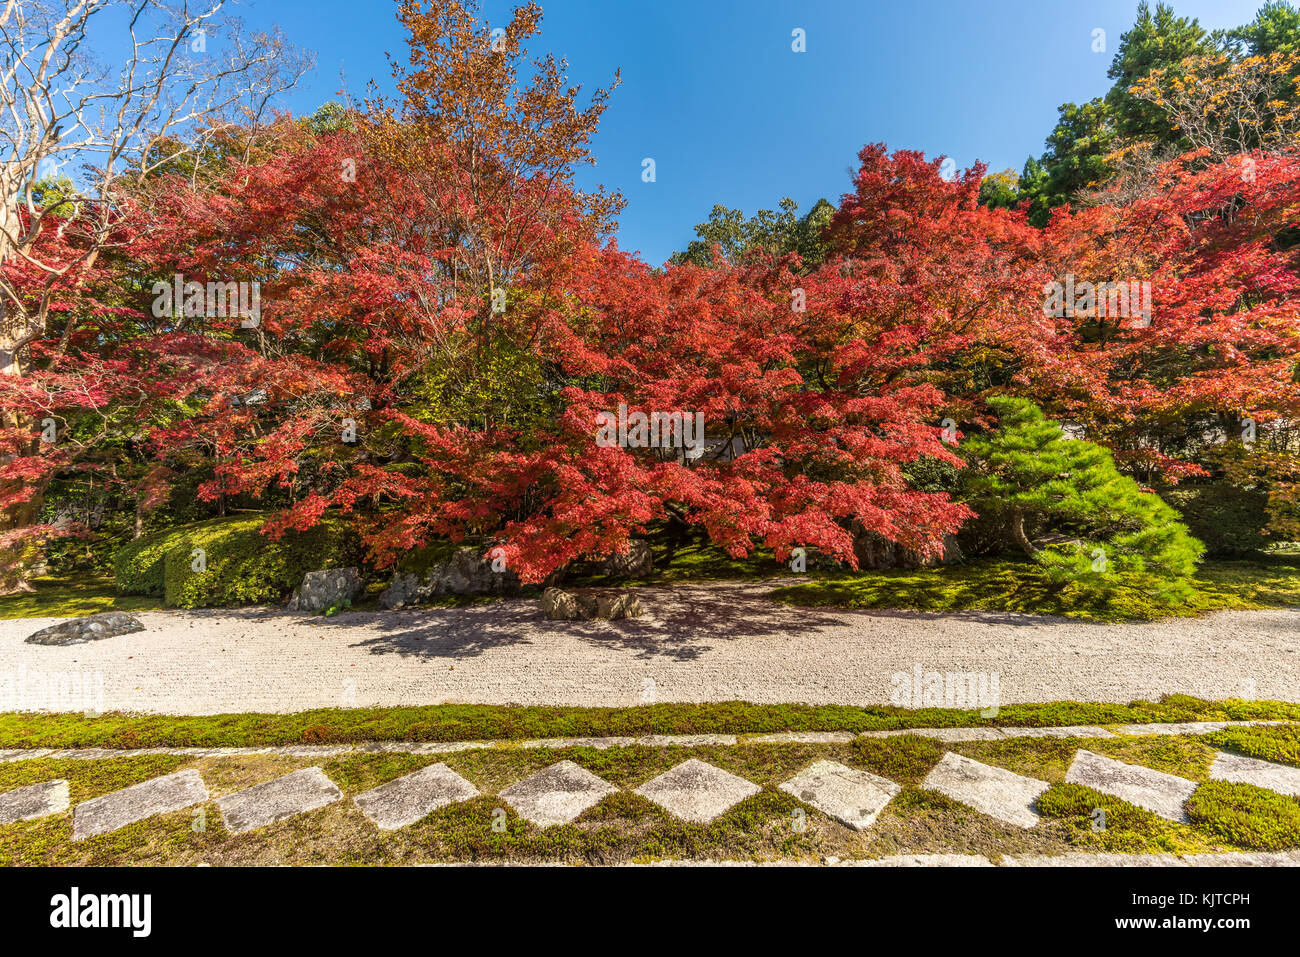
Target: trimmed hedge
241, 565
1229, 520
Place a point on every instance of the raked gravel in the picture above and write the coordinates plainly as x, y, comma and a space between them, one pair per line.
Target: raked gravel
714, 642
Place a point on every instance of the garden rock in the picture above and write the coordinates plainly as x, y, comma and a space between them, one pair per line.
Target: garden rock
636, 562
109, 624
560, 605
466, 572
329, 588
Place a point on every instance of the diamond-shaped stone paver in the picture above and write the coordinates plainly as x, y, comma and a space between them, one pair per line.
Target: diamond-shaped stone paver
997, 792
850, 796
696, 791
108, 812
263, 804
404, 801
1158, 792
33, 801
557, 794
1263, 774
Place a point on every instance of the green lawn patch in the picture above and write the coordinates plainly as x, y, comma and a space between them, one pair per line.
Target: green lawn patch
500, 722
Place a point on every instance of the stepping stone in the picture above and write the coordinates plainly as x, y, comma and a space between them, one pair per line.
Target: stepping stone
997, 792
556, 795
1281, 778
263, 804
698, 792
172, 792
851, 796
36, 800
407, 799
1158, 792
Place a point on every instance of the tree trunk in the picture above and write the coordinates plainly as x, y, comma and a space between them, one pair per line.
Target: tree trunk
1017, 528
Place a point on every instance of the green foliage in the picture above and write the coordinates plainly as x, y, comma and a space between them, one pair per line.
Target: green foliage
1157, 40
1231, 521
241, 566
776, 233
1114, 533
1246, 815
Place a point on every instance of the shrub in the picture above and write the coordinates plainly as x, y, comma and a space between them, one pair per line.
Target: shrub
241, 565
1231, 521
1105, 530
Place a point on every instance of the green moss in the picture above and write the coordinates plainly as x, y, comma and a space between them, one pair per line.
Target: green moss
1246, 816
455, 722
1100, 822
1018, 587
1276, 743
71, 598
240, 565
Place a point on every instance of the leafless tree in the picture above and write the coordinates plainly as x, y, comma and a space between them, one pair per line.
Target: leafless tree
100, 94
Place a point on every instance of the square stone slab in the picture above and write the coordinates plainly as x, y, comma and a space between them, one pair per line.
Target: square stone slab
1281, 778
556, 795
172, 792
33, 801
698, 792
404, 801
850, 796
264, 804
996, 792
1159, 793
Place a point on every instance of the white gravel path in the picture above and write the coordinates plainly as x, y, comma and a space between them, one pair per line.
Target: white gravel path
700, 643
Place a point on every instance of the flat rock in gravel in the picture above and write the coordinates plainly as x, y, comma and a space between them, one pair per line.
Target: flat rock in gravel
404, 801
263, 804
997, 792
696, 791
108, 624
557, 794
1158, 792
33, 801
1281, 778
172, 792
850, 796
1071, 731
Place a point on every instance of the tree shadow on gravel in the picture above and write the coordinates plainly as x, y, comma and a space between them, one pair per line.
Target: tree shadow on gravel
682, 623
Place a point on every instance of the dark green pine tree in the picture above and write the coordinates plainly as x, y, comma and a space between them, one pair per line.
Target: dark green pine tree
1071, 510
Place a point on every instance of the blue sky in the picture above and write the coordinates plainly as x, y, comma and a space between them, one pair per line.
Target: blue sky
714, 94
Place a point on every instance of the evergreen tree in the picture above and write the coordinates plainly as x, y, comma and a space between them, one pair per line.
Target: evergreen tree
1069, 508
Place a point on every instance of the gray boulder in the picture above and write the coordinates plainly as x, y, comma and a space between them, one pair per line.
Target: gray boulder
560, 605
636, 562
325, 589
466, 572
109, 624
